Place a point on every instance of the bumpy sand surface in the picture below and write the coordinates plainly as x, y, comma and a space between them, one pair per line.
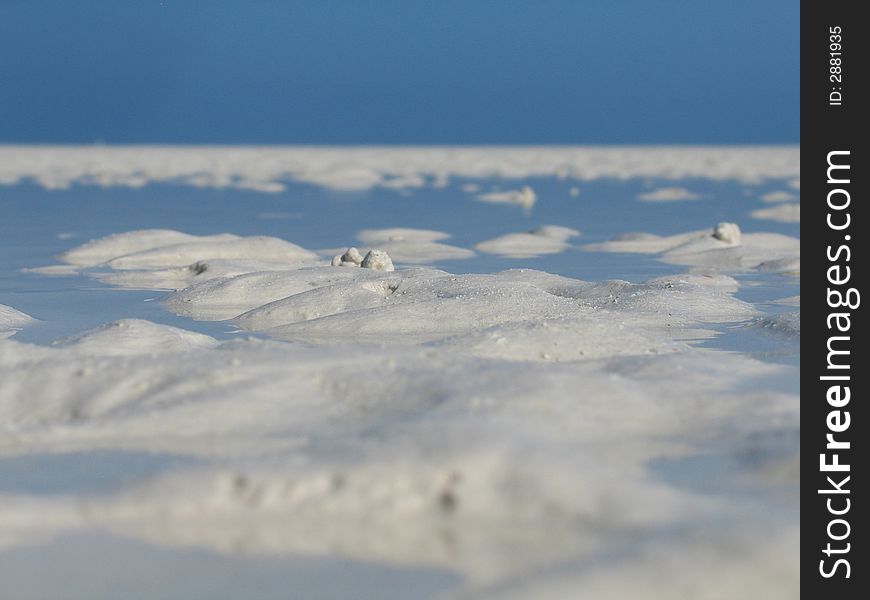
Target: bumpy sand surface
265, 169
545, 438
495, 425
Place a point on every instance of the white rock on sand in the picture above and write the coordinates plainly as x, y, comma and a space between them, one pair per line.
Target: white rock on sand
351, 258
727, 232
377, 260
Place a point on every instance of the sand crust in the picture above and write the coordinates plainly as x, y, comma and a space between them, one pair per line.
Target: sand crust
503, 426
267, 169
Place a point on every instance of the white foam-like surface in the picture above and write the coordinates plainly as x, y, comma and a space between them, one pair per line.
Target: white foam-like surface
319, 304
226, 297
136, 336
668, 194
788, 323
490, 424
778, 196
413, 246
166, 259
524, 197
719, 566
789, 301
433, 457
11, 320
54, 270
767, 251
310, 392
422, 305
176, 278
784, 213
787, 265
254, 248
549, 239
104, 249
266, 169
470, 512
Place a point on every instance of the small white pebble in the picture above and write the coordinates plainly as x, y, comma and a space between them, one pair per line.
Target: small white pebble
378, 260
351, 258
727, 232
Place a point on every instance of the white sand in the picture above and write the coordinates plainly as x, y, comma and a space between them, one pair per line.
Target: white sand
784, 213
12, 320
494, 425
668, 194
103, 250
135, 337
789, 301
524, 197
549, 239
778, 196
323, 304
787, 323
767, 251
249, 248
265, 169
712, 568
413, 246
166, 259
416, 305
226, 297
788, 265
432, 457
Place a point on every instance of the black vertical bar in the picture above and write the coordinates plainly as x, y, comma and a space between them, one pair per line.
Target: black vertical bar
833, 65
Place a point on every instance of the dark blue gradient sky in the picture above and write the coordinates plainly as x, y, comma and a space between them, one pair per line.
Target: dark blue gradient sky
399, 71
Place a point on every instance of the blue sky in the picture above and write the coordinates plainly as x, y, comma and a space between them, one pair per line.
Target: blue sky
399, 71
